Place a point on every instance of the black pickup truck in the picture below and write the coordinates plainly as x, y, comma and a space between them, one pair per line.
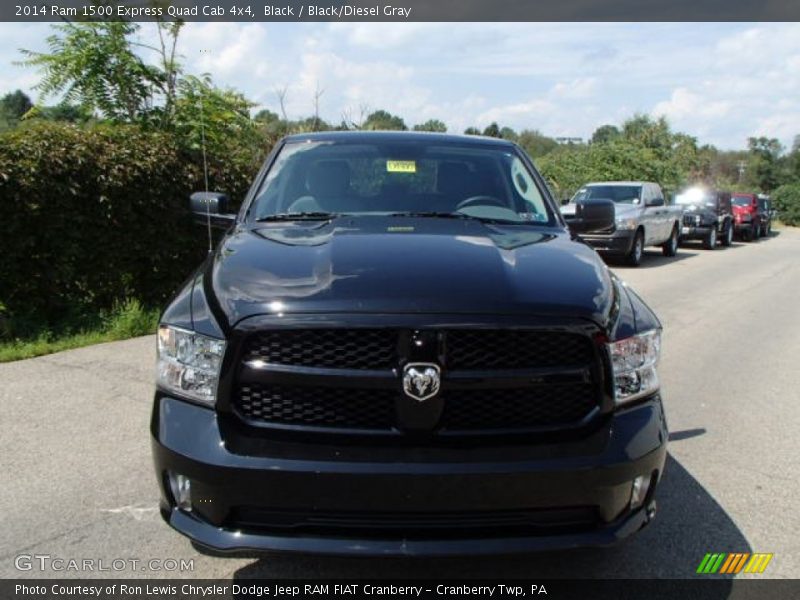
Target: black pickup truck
399, 347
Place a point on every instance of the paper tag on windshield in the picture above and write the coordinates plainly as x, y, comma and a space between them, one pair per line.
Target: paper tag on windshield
401, 166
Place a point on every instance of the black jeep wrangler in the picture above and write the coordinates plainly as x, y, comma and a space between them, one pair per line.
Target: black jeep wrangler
707, 216
399, 347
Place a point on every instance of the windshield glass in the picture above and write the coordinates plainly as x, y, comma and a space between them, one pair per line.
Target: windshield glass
742, 200
621, 194
399, 178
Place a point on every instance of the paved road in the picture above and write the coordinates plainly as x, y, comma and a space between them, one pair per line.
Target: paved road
78, 482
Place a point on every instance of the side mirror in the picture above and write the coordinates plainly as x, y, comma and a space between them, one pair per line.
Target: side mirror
591, 215
655, 202
212, 206
564, 201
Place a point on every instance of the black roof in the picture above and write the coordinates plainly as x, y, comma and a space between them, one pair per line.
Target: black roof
395, 136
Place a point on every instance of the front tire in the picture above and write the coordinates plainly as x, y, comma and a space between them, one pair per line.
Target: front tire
727, 238
634, 257
710, 241
670, 247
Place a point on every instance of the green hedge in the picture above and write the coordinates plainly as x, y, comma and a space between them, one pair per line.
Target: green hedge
93, 216
787, 203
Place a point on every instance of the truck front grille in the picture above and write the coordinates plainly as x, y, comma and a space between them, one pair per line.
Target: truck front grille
492, 380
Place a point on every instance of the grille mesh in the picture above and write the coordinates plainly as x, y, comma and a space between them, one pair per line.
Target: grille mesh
330, 348
541, 406
378, 348
318, 406
513, 349
465, 410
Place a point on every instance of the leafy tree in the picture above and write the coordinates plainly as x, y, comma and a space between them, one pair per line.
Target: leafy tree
96, 65
492, 130
787, 202
221, 116
509, 134
793, 160
472, 131
310, 124
649, 132
569, 167
13, 107
15, 104
383, 120
434, 125
535, 143
266, 116
605, 133
765, 154
70, 113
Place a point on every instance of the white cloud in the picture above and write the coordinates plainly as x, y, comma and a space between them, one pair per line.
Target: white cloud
720, 82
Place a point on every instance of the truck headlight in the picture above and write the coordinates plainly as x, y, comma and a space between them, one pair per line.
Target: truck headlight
189, 363
625, 223
633, 361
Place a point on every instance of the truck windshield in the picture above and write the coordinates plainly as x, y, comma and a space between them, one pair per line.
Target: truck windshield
314, 179
621, 194
742, 200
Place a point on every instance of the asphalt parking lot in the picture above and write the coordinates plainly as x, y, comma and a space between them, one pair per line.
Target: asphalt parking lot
78, 480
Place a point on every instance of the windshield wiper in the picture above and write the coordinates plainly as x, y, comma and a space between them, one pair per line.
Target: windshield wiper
455, 215
299, 216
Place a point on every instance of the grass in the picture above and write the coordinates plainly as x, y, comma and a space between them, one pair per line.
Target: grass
126, 320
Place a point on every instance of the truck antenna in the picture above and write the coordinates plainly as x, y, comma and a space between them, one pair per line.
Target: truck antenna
205, 175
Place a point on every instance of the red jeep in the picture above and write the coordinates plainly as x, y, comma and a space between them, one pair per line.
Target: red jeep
748, 221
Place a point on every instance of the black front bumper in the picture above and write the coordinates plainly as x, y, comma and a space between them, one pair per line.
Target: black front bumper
695, 232
407, 500
617, 243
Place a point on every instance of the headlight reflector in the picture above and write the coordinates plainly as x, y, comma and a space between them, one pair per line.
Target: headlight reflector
625, 223
633, 361
189, 363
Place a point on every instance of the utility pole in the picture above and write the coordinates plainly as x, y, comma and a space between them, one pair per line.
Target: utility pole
741, 167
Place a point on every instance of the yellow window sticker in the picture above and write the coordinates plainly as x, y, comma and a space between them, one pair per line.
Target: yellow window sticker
401, 166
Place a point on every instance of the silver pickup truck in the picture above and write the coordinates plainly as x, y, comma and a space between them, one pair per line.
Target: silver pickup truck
642, 219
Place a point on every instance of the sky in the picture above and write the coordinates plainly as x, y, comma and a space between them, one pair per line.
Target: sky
721, 82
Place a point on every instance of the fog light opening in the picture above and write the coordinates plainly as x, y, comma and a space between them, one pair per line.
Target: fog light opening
639, 489
181, 488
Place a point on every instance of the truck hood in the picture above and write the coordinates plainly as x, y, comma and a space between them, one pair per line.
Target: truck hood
405, 265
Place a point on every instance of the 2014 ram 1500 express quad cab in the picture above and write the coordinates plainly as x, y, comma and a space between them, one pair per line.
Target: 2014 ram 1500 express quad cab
399, 347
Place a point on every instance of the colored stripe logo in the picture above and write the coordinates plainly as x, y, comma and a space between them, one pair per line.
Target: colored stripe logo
732, 563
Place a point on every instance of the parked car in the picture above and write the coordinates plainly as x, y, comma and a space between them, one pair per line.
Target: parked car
749, 219
399, 348
765, 212
707, 216
642, 219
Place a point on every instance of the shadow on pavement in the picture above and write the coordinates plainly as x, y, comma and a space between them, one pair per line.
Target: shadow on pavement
689, 524
653, 258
